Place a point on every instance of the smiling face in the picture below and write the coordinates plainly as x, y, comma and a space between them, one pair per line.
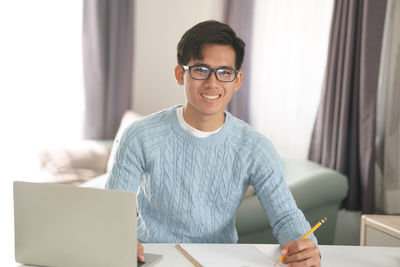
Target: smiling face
206, 99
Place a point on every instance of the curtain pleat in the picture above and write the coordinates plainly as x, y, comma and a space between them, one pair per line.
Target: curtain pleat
239, 15
344, 132
107, 60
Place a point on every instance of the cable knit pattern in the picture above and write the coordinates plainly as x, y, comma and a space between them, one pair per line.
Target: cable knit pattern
188, 188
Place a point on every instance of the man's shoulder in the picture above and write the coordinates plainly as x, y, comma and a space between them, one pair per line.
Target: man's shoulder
152, 124
161, 116
243, 132
253, 147
248, 141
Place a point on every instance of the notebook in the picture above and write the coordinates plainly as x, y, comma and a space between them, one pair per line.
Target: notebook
226, 255
64, 225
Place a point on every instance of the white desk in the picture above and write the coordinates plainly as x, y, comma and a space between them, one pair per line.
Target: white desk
342, 256
331, 255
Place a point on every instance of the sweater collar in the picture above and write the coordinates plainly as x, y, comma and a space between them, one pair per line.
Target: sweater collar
220, 136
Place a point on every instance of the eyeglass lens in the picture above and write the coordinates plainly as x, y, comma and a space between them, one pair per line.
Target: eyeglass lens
203, 73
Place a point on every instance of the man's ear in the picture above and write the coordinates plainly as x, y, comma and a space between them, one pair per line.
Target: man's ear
238, 80
179, 72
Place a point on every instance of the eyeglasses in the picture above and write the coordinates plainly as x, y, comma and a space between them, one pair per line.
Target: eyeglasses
200, 72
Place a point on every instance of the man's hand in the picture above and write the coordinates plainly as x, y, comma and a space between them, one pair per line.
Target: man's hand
301, 253
140, 252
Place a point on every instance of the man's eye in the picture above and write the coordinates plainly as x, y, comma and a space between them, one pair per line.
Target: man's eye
226, 72
200, 69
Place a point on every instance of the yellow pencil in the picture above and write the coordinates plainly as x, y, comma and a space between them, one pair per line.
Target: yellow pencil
306, 235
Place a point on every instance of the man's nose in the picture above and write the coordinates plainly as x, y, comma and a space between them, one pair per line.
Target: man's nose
212, 81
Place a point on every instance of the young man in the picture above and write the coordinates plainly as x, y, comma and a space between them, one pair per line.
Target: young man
191, 165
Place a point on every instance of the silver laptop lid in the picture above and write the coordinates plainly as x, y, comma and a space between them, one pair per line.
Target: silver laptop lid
62, 225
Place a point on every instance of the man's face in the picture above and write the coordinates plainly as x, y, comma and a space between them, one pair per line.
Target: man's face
209, 97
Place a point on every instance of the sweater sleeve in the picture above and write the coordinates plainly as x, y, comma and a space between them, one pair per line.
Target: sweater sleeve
287, 221
128, 163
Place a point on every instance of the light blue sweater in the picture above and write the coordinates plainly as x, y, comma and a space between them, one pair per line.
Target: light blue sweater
188, 188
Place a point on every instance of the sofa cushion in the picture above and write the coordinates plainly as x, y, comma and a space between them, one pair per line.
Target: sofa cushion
73, 163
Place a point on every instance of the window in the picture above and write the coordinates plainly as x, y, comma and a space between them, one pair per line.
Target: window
41, 99
288, 65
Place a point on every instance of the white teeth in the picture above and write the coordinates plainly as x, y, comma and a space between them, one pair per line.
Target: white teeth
212, 97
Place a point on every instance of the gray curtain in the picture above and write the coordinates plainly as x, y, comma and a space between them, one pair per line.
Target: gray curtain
107, 61
344, 131
239, 15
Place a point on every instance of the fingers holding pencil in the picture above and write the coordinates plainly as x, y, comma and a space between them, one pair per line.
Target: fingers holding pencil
304, 250
302, 253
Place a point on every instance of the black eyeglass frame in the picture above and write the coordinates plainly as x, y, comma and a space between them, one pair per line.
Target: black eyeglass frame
211, 71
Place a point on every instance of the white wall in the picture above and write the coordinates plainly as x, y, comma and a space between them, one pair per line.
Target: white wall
159, 25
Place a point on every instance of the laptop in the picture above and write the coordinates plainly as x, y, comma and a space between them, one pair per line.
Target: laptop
64, 225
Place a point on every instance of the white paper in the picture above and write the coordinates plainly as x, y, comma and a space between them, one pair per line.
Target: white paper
229, 255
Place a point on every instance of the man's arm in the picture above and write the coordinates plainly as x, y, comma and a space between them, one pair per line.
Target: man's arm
287, 221
289, 225
126, 171
128, 164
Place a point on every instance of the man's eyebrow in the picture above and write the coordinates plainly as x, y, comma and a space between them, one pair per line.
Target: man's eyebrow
201, 65
226, 67
208, 66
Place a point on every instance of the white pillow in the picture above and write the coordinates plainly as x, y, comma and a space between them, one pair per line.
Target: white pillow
128, 118
73, 163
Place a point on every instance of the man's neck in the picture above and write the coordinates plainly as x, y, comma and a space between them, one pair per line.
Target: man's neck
203, 122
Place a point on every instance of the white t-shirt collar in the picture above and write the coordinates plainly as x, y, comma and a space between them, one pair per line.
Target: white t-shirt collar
195, 132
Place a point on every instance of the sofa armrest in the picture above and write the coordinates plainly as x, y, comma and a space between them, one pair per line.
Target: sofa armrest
317, 190
75, 163
312, 184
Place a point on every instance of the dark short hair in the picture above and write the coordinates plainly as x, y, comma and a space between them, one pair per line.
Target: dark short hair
209, 32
